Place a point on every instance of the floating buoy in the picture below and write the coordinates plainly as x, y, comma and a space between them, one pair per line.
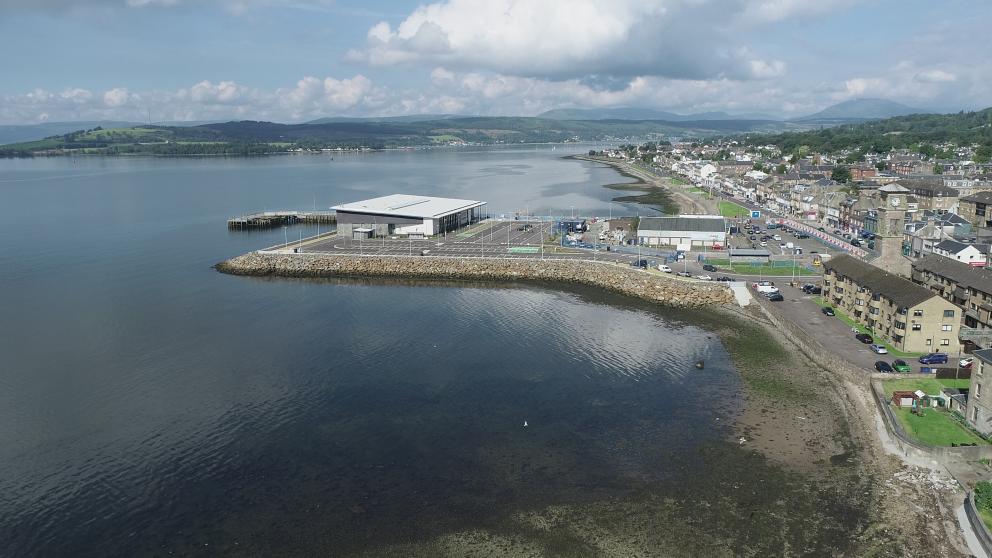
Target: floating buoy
525, 423
699, 365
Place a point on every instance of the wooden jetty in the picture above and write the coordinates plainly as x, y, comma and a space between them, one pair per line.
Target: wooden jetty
267, 219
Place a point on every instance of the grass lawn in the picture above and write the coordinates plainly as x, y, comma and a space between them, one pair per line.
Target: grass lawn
677, 181
748, 269
935, 427
862, 329
930, 386
731, 209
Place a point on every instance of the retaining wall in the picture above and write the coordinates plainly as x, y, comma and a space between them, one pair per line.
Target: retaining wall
977, 525
621, 279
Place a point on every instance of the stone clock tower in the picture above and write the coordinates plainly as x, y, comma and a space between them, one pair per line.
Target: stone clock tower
892, 209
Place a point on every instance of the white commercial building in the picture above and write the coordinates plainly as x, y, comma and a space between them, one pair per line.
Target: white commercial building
404, 214
684, 230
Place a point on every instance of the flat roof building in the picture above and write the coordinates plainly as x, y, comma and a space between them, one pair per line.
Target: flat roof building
684, 230
405, 214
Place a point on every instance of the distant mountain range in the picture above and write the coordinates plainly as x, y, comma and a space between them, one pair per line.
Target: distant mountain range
824, 129
860, 110
855, 110
645, 114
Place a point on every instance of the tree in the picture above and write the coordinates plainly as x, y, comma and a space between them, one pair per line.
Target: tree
592, 152
757, 167
647, 158
938, 168
795, 158
841, 174
781, 168
881, 165
983, 154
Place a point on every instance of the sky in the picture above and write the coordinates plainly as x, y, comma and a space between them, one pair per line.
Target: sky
298, 60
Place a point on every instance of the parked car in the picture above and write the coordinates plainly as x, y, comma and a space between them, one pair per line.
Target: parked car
901, 366
878, 349
704, 277
640, 263
829, 311
664, 268
763, 243
864, 338
775, 297
966, 362
934, 358
708, 267
855, 242
725, 278
752, 237
684, 274
882, 366
777, 237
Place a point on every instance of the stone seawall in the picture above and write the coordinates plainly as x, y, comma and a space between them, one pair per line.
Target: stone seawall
616, 278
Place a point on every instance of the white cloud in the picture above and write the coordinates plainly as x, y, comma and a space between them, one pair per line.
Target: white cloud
935, 76
562, 39
116, 97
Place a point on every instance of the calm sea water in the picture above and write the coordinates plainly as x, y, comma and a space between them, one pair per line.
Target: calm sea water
149, 405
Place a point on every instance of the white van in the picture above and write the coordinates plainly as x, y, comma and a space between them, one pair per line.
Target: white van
664, 268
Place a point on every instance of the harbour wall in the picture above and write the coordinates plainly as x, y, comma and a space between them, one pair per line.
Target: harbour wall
622, 279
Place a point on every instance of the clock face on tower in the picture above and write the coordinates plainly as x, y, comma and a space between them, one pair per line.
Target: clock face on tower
894, 202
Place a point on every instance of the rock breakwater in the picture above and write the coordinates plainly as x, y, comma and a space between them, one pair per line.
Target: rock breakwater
612, 277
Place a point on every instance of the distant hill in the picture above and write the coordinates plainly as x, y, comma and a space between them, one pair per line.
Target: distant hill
253, 137
860, 110
643, 114
881, 136
31, 132
407, 118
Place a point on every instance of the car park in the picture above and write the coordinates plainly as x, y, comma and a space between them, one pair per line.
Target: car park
882, 366
664, 268
878, 349
864, 338
901, 366
934, 358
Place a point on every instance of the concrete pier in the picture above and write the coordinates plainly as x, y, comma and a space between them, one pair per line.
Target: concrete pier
267, 219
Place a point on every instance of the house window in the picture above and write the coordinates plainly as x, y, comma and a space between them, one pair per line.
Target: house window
873, 311
859, 302
945, 342
945, 327
917, 313
978, 390
917, 327
948, 313
929, 342
975, 416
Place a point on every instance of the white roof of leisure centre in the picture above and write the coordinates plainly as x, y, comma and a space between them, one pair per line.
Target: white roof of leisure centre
406, 205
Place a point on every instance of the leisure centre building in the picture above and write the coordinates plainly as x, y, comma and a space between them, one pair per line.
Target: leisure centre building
405, 214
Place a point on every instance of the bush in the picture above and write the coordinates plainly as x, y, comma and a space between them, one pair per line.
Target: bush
983, 495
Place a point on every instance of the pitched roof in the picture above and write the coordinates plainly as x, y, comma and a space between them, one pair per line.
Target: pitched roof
902, 292
702, 223
963, 274
980, 197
